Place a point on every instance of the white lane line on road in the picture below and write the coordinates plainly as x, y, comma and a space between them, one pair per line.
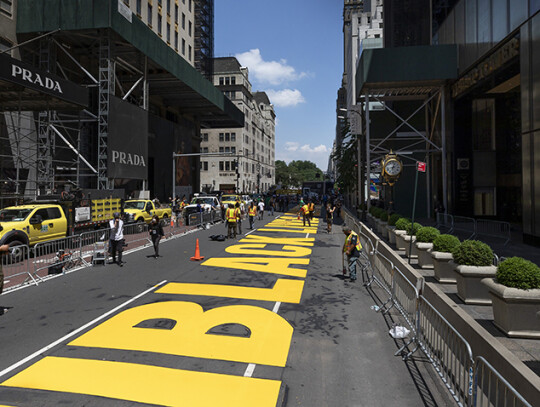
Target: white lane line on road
276, 307
82, 328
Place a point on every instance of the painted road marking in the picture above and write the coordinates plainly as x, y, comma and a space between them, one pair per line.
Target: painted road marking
284, 290
77, 331
146, 384
256, 249
262, 264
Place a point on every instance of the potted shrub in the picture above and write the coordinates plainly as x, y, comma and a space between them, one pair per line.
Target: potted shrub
384, 222
424, 244
392, 219
473, 261
515, 295
441, 256
411, 236
399, 231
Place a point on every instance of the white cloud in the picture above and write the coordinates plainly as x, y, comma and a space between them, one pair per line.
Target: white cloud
285, 97
291, 145
271, 72
293, 150
314, 150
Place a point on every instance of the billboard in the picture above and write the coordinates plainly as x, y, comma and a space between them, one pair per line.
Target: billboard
127, 144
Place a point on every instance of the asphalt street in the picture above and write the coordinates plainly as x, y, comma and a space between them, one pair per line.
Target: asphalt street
264, 320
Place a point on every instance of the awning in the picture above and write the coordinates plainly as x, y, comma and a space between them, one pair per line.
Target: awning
24, 87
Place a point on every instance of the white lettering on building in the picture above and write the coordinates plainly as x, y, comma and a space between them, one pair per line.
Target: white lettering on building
35, 78
122, 157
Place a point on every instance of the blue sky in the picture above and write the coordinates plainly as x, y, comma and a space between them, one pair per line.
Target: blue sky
293, 49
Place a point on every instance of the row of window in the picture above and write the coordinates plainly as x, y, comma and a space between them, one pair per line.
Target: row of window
227, 80
6, 7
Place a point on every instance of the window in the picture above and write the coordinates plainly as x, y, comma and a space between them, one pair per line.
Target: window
227, 149
204, 150
169, 7
4, 45
227, 165
233, 150
221, 165
205, 137
221, 149
190, 28
233, 136
183, 46
190, 1
233, 80
6, 7
221, 80
227, 80
205, 166
159, 21
183, 21
138, 7
221, 137
253, 168
149, 16
227, 136
189, 54
176, 40
168, 33
176, 13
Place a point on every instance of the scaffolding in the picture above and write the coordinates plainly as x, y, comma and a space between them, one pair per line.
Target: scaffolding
204, 37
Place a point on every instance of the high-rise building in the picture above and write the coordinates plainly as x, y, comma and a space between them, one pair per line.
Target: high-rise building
246, 163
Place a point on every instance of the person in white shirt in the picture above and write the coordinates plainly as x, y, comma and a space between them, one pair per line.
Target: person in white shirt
116, 238
261, 209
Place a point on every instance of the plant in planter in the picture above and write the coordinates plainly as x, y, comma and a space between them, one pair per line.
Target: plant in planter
515, 295
392, 219
409, 237
399, 231
441, 256
424, 244
473, 261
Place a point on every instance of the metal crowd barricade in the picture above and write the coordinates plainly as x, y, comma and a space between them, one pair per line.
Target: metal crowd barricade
465, 225
136, 233
448, 351
65, 251
493, 228
89, 239
16, 264
445, 222
492, 390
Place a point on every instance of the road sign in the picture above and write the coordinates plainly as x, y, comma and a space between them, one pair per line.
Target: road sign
420, 166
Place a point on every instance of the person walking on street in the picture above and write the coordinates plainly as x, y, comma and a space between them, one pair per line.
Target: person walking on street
304, 211
329, 217
351, 248
252, 212
311, 208
230, 215
261, 209
116, 239
238, 213
156, 233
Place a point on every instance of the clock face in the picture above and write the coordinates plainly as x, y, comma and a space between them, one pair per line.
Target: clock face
392, 167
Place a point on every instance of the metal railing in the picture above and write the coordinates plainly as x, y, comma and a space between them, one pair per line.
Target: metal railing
492, 390
471, 382
16, 264
202, 218
472, 228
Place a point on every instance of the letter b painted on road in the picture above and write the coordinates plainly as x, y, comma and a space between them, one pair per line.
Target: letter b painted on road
267, 344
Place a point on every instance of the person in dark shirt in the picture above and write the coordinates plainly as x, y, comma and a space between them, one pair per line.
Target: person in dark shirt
156, 233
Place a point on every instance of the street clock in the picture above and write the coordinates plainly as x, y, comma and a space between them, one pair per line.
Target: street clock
391, 168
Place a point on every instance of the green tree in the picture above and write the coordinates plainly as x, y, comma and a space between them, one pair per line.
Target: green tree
297, 172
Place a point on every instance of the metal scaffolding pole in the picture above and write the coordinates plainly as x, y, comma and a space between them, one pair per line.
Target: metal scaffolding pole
106, 88
443, 142
368, 151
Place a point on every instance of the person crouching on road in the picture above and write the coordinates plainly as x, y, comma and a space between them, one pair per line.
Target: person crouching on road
230, 215
238, 213
252, 212
304, 211
156, 233
116, 239
351, 248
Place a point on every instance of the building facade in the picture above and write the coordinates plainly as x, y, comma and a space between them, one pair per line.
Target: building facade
246, 154
496, 115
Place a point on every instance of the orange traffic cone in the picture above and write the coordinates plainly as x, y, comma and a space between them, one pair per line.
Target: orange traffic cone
172, 221
197, 256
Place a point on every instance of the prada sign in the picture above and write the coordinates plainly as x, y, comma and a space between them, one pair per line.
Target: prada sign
21, 73
127, 142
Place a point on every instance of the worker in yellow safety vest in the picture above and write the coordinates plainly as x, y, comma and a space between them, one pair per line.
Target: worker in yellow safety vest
311, 208
238, 212
351, 248
304, 211
230, 216
252, 212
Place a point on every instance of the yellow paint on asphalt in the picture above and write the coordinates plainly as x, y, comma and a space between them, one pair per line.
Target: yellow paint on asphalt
284, 290
268, 343
294, 241
303, 231
253, 249
146, 384
262, 264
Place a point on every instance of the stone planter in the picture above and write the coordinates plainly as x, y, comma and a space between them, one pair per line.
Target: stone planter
400, 243
383, 231
391, 234
410, 247
469, 283
514, 310
424, 255
443, 267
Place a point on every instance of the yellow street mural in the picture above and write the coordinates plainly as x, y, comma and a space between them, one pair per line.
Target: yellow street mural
267, 343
